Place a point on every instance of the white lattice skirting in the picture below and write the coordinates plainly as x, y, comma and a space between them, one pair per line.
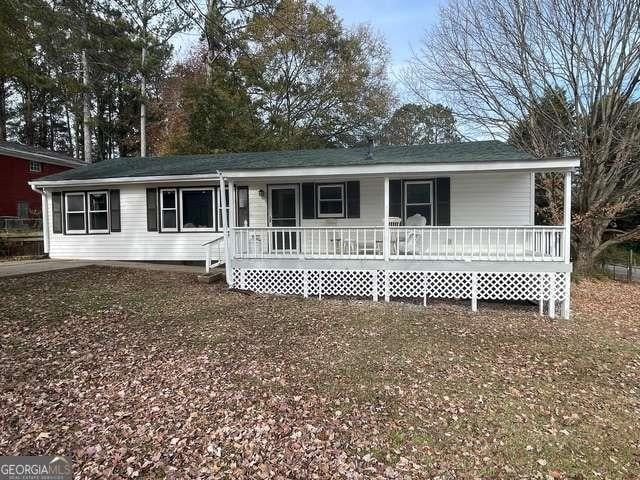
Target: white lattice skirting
534, 286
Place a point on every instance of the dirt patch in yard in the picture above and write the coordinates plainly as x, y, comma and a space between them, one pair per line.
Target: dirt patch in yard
150, 374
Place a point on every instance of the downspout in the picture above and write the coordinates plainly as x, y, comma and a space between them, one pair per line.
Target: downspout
45, 218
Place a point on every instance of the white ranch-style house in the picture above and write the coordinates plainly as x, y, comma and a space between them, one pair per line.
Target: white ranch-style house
429, 221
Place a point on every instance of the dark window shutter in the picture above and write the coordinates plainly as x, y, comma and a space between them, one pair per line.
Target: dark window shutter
395, 198
56, 209
114, 205
308, 200
152, 209
443, 201
353, 199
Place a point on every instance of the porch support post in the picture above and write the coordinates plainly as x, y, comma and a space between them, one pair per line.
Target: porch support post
567, 218
474, 292
566, 304
387, 294
375, 285
387, 234
225, 231
232, 218
305, 283
552, 295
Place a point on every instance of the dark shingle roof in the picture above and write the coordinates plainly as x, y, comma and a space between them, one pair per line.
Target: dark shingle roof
15, 149
336, 157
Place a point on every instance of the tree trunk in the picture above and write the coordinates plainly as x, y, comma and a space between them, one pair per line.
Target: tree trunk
52, 130
586, 258
143, 107
70, 147
28, 117
3, 109
589, 240
86, 109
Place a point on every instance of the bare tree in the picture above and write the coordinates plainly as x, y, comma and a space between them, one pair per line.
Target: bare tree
494, 61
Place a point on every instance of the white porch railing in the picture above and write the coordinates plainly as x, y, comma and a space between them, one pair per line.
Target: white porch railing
308, 242
532, 243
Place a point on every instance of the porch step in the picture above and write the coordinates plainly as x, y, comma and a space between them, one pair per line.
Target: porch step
214, 276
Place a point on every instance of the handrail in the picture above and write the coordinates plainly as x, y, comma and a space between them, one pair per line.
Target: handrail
426, 227
208, 253
212, 241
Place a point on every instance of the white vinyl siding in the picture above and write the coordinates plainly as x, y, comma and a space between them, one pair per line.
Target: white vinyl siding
134, 242
476, 199
257, 204
491, 199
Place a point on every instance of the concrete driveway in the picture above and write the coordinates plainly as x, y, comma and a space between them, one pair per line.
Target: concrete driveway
28, 267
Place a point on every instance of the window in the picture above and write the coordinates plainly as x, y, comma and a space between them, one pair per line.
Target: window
35, 166
418, 197
98, 212
242, 207
331, 200
168, 211
75, 213
196, 209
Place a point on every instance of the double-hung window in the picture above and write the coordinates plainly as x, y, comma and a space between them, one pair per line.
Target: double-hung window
75, 213
98, 212
169, 210
419, 199
35, 166
196, 210
331, 200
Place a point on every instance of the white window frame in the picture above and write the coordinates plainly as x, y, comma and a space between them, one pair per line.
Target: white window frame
174, 208
35, 166
213, 210
320, 200
407, 204
67, 212
90, 211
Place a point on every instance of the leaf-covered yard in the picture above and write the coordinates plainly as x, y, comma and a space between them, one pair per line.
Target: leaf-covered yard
149, 374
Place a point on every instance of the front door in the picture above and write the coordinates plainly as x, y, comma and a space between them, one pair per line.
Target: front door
283, 212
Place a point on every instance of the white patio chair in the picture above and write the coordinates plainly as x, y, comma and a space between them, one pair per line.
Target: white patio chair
406, 245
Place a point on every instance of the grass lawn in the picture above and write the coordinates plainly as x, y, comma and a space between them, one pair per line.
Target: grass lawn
151, 374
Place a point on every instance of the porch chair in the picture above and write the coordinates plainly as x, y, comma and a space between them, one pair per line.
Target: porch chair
406, 245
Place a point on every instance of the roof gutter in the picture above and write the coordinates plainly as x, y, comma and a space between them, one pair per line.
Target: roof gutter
42, 157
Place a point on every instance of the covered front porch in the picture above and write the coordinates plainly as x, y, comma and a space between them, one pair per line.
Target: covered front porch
400, 239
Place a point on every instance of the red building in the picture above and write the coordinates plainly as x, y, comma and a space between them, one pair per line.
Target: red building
20, 164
